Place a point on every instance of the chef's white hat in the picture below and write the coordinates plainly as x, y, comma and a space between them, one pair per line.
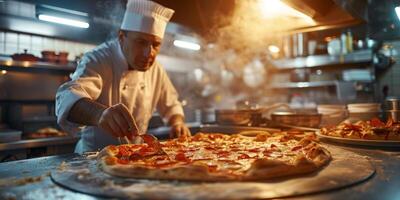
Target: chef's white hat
147, 17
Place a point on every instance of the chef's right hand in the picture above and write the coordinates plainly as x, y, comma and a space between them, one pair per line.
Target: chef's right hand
118, 121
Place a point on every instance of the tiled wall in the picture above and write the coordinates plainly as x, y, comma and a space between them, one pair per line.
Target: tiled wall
11, 43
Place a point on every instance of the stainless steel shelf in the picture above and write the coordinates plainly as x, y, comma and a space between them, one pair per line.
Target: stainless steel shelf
32, 143
357, 57
303, 84
36, 67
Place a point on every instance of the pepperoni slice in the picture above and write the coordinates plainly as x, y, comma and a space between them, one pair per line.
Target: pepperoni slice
255, 150
296, 148
134, 157
375, 122
243, 156
215, 136
181, 157
123, 151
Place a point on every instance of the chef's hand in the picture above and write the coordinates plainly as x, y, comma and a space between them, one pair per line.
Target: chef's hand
178, 127
179, 130
118, 121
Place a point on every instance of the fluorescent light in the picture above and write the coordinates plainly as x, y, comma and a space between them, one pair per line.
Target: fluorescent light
187, 45
397, 9
65, 21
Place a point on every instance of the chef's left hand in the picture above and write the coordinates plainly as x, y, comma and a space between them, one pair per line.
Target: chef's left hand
179, 130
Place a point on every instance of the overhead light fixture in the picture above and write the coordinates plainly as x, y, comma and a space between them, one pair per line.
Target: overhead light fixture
277, 8
397, 9
62, 16
187, 45
65, 21
273, 49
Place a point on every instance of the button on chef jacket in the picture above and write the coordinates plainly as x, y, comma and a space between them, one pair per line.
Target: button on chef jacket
102, 75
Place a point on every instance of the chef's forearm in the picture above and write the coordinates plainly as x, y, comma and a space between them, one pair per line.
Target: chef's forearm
176, 119
86, 111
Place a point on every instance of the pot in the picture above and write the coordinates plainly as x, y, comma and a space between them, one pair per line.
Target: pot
312, 120
245, 116
25, 57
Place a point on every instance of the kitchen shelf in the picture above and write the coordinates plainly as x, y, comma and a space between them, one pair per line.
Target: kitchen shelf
40, 119
303, 84
357, 57
36, 67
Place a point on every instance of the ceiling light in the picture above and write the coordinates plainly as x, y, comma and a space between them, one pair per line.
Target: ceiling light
187, 45
62, 20
397, 9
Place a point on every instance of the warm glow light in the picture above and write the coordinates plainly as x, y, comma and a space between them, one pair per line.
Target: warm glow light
3, 72
65, 21
277, 8
26, 63
8, 63
397, 9
198, 74
187, 45
273, 49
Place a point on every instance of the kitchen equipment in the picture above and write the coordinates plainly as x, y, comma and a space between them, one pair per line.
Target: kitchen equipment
312, 120
250, 116
334, 47
9, 135
359, 142
394, 115
300, 75
245, 117
364, 107
332, 114
363, 111
62, 57
49, 56
393, 103
25, 57
393, 108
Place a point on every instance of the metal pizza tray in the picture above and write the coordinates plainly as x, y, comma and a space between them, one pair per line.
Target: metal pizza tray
345, 169
359, 142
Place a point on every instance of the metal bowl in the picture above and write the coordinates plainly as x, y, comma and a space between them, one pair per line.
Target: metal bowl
312, 120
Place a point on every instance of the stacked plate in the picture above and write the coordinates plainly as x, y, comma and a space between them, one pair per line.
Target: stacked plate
332, 114
363, 111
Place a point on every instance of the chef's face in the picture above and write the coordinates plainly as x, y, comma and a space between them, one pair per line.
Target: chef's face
139, 49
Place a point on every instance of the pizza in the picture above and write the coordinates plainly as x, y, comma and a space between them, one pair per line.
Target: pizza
217, 157
373, 129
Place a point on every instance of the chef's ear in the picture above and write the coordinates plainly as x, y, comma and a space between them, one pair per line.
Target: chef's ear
121, 35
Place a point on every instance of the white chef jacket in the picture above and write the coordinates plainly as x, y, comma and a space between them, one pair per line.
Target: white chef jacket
102, 75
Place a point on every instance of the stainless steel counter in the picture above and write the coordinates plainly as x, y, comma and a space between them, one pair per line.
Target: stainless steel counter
383, 185
32, 143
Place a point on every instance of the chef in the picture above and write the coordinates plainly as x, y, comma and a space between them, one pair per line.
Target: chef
120, 84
